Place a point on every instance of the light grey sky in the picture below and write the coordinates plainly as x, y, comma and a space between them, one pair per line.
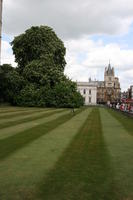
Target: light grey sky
93, 31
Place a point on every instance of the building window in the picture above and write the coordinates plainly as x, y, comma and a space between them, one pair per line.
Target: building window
84, 91
89, 91
89, 99
110, 79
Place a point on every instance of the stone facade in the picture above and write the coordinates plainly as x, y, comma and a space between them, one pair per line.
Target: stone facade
102, 92
109, 89
89, 91
127, 94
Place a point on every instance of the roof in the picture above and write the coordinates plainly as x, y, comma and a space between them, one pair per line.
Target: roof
92, 84
101, 83
109, 70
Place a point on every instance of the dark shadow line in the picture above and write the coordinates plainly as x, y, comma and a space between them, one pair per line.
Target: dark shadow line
11, 144
125, 121
83, 171
28, 119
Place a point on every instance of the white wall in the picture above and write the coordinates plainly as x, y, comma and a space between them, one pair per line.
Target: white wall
87, 96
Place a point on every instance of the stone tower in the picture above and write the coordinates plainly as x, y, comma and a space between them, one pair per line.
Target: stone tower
109, 76
112, 85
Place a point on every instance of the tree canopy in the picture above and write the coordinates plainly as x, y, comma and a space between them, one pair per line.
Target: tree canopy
39, 43
39, 78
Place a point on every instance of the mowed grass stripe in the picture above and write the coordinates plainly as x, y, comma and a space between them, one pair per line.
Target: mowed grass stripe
18, 113
25, 168
2, 111
83, 172
14, 109
11, 108
120, 146
12, 130
127, 122
4, 123
19, 140
6, 108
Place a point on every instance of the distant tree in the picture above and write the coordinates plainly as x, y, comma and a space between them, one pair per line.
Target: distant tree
39, 43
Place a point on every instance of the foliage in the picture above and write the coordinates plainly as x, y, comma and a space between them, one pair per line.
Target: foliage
39, 79
42, 73
11, 82
29, 96
16, 83
37, 43
63, 94
4, 70
66, 95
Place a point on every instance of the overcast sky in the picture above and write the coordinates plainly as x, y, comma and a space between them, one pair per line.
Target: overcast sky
93, 31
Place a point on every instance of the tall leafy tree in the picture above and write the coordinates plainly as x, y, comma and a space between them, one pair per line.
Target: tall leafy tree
39, 79
39, 43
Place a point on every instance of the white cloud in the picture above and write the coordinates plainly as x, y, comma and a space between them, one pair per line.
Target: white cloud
95, 58
69, 18
6, 56
74, 21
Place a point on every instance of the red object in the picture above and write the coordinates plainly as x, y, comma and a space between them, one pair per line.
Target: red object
127, 100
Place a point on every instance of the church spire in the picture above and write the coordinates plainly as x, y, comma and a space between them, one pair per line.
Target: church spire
109, 66
109, 71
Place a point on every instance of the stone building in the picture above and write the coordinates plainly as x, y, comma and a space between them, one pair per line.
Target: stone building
109, 89
89, 91
127, 94
101, 92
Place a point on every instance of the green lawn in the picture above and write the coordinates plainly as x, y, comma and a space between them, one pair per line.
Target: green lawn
53, 154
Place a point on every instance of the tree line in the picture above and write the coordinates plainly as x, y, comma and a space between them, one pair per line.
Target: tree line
38, 79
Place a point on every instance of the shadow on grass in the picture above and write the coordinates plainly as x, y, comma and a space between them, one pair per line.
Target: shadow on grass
84, 171
18, 113
28, 119
20, 140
